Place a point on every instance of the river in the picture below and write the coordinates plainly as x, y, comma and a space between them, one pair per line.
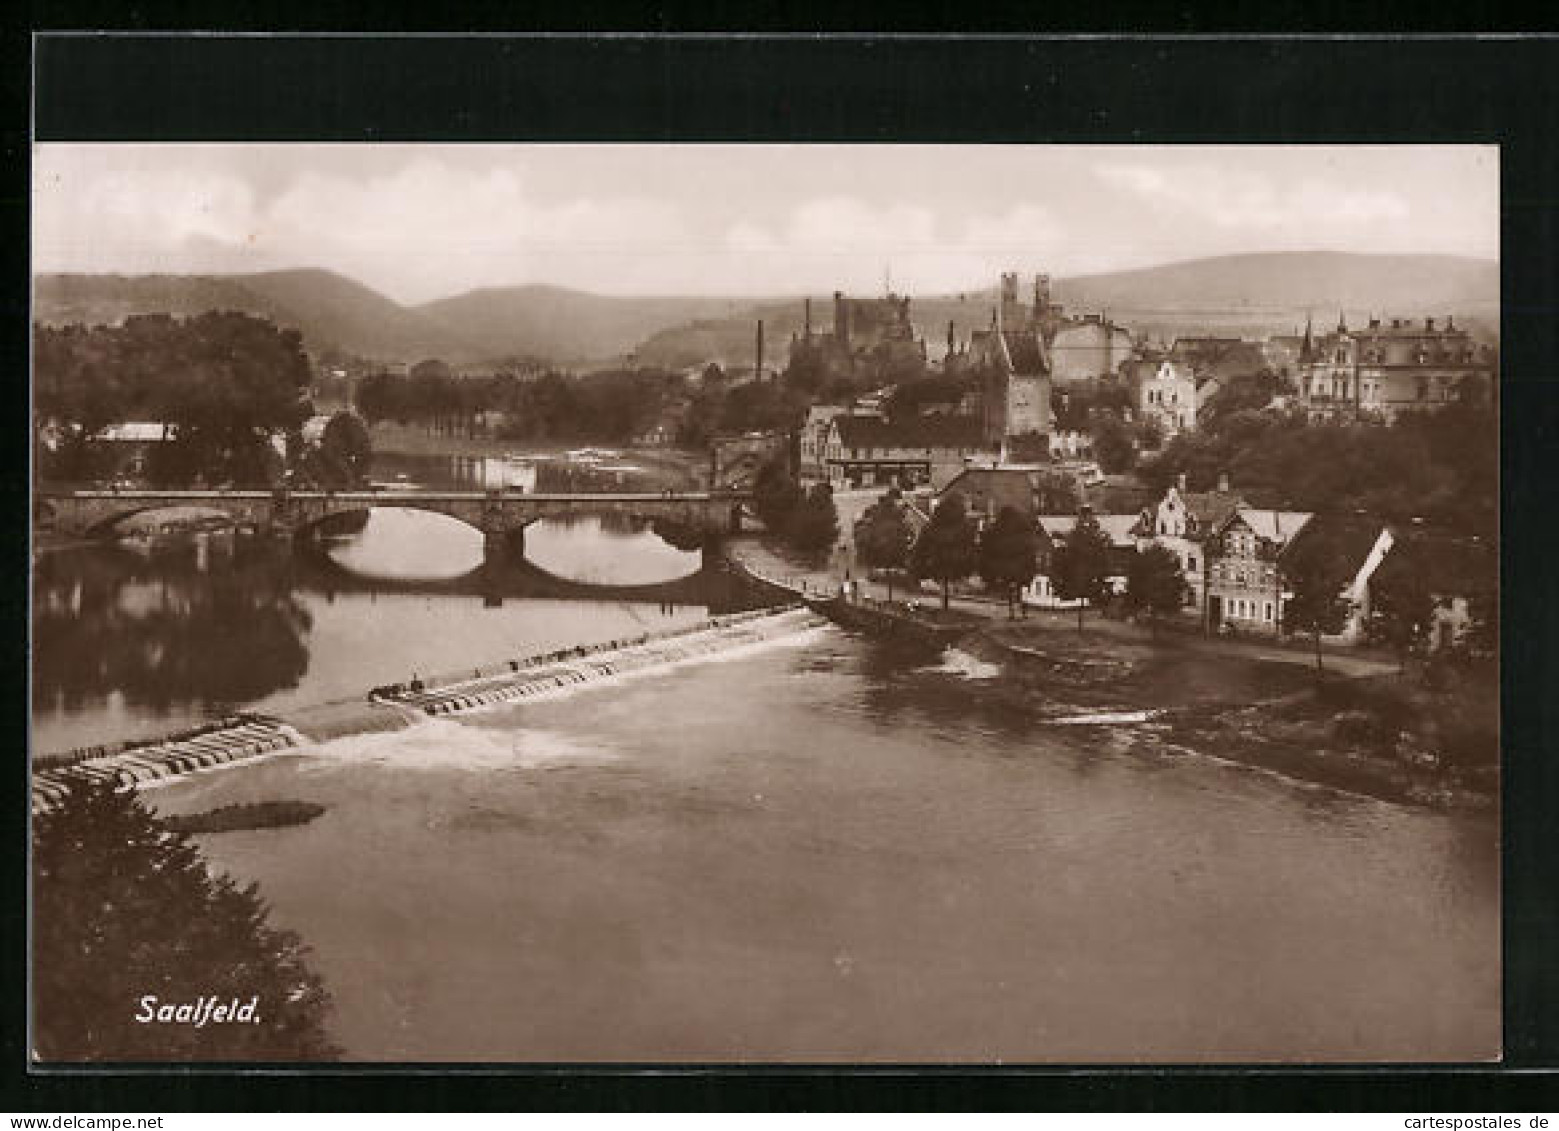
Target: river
817, 849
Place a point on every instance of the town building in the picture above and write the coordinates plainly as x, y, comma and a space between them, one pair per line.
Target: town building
1071, 444
736, 459
1457, 570
865, 451
1030, 490
1382, 371
660, 432
1242, 583
1183, 522
1119, 529
1167, 396
1012, 363
1245, 584
869, 334
1088, 348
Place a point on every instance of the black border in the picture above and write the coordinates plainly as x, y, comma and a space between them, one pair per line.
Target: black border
1501, 90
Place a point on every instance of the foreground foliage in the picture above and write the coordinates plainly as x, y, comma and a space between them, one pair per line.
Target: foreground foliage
125, 908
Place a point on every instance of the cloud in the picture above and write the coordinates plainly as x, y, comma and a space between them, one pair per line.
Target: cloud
154, 210
420, 231
851, 243
1248, 199
421, 222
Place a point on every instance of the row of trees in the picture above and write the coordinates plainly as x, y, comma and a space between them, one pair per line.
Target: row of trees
1006, 556
226, 382
612, 405
1081, 567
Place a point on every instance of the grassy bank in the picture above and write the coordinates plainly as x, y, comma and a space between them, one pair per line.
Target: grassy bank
1378, 734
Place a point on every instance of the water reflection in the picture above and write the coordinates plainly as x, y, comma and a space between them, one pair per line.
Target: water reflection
607, 550
157, 631
135, 640
408, 544
582, 471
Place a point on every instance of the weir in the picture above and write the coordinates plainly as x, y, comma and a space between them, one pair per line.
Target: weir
130, 765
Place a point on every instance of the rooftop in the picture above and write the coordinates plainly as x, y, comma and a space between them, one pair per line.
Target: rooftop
962, 432
1118, 528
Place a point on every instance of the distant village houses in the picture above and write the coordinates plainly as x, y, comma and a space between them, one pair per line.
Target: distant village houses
865, 451
1386, 369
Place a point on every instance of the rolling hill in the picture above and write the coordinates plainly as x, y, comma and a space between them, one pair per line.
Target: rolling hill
1254, 294
329, 309
1274, 291
566, 325
1241, 295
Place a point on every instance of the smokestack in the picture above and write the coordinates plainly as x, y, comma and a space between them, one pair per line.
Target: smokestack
1182, 482
757, 369
807, 306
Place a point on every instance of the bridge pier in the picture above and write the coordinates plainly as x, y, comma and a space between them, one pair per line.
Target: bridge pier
712, 552
501, 545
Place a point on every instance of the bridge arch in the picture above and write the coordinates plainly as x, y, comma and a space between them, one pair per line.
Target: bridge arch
497, 514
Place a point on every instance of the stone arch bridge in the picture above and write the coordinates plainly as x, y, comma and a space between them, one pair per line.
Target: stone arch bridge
501, 516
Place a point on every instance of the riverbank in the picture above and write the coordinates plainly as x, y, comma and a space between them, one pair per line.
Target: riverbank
1358, 727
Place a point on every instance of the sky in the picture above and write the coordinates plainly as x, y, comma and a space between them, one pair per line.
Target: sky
421, 222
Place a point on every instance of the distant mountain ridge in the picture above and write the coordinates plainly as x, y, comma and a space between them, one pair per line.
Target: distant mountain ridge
1253, 294
330, 310
567, 325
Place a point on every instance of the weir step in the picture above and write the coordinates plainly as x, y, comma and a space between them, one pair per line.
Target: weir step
130, 766
166, 759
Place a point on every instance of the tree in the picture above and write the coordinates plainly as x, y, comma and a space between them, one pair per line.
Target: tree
1056, 493
1313, 568
1402, 608
1080, 566
1154, 585
883, 536
1112, 443
1009, 552
775, 495
123, 908
945, 551
226, 383
813, 526
345, 450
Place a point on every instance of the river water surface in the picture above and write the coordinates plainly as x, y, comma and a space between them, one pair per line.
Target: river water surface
815, 849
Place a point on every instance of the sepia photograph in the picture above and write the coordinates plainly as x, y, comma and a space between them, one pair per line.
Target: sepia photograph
829, 604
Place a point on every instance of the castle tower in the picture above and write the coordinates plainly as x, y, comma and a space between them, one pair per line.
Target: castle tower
1011, 317
841, 318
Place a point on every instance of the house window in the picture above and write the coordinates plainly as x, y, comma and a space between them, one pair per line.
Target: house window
1190, 562
1269, 611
